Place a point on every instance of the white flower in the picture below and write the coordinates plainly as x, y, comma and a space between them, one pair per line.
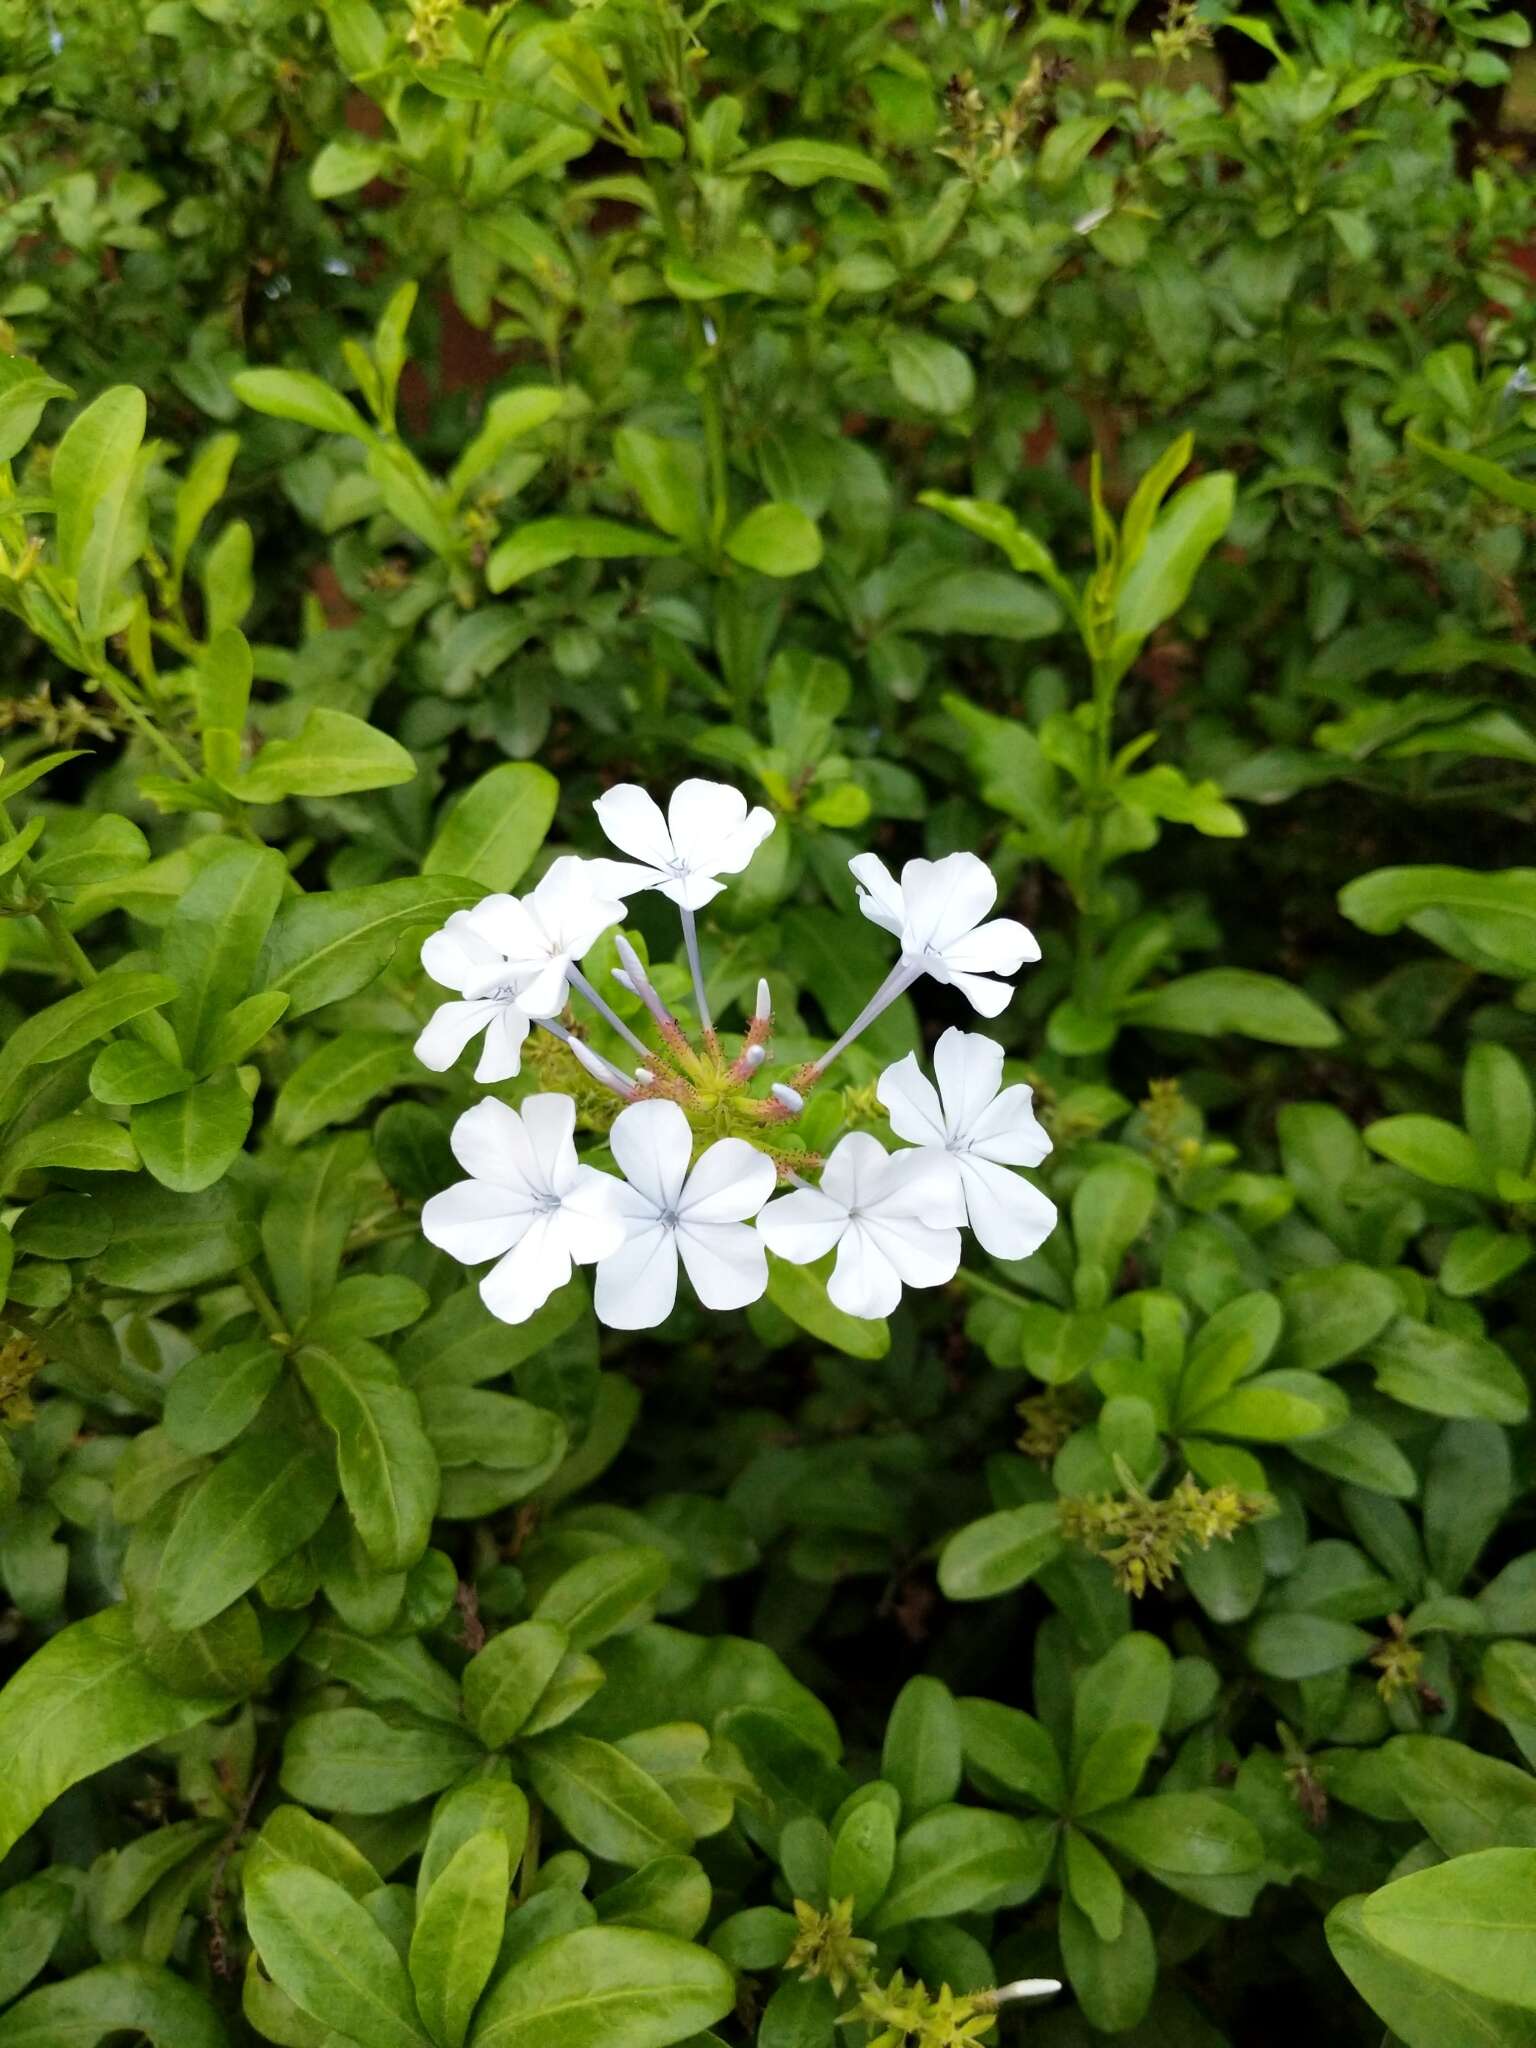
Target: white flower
936, 911
892, 1217
707, 832
528, 1197
976, 1133
510, 958
668, 1212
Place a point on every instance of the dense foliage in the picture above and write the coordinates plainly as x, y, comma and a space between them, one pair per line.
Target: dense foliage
1100, 439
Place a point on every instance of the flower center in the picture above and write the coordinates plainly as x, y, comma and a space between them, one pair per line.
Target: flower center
545, 1204
668, 1217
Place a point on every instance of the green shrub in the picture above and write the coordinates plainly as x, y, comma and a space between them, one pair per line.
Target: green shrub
1090, 449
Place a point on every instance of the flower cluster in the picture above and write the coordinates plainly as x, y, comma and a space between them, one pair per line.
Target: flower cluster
886, 1218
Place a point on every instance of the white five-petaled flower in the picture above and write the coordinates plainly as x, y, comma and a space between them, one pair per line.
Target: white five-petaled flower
668, 1212
529, 1203
936, 911
510, 958
707, 832
976, 1130
892, 1216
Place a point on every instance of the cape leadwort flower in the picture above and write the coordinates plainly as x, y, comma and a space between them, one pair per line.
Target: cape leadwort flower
529, 1203
702, 1133
979, 1130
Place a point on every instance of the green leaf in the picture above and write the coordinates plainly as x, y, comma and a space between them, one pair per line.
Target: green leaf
776, 540
388, 1471
296, 395
801, 1293
806, 160
1068, 146
983, 601
1184, 533
1471, 1922
503, 1682
1443, 1374
1331, 1312
604, 1593
109, 2002
497, 826
1463, 1801
333, 754
863, 1856
1000, 1551
213, 937
163, 1242
667, 476
94, 479
964, 1859
326, 1951
24, 390
339, 1080
1305, 1645
457, 1936
605, 1987
1422, 2010
32, 1917
1113, 1978
930, 374
128, 1072
83, 1701
214, 1398
1433, 1149
613, 1807
1491, 477
322, 948
921, 1756
242, 1518
1272, 1409
69, 1025
1015, 1749
1220, 999
545, 543
190, 1140
1186, 1834
353, 1761
345, 164
1487, 920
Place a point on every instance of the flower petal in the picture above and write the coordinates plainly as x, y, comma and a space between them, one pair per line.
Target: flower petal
692, 891
1009, 1131
637, 1284
448, 1030
864, 1283
1011, 1218
530, 1273
652, 1143
922, 1255
542, 994
879, 892
473, 1221
802, 1226
858, 1170
632, 820
700, 815
984, 994
969, 1071
911, 1102
502, 1055
726, 1262
1001, 946
571, 909
943, 899
549, 1124
596, 1222
731, 1182
490, 1143
458, 957
506, 927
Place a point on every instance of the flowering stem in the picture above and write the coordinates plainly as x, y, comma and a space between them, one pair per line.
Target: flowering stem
580, 983
896, 983
691, 941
